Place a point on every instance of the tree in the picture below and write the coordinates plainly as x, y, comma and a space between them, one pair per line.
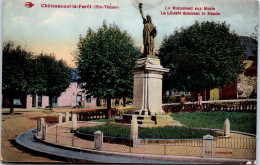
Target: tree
53, 76
105, 60
203, 56
23, 74
255, 34
17, 72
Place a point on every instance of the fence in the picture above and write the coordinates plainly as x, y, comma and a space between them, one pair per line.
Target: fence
247, 105
222, 147
237, 147
97, 114
91, 115
62, 135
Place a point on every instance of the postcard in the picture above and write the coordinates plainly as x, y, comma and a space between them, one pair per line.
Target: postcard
129, 81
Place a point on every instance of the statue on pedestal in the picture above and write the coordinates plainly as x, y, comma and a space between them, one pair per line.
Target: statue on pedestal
148, 75
149, 32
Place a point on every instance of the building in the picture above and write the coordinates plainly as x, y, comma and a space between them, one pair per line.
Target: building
246, 84
244, 87
71, 97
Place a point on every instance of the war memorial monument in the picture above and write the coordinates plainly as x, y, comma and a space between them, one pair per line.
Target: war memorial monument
147, 95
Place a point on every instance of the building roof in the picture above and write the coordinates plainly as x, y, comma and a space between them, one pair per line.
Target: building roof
73, 74
252, 70
250, 46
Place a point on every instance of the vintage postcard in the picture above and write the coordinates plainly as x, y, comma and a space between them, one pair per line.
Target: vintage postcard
129, 81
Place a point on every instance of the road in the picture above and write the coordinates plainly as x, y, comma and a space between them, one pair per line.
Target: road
22, 121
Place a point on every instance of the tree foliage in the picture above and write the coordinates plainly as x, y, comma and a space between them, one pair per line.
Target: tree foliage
255, 34
53, 76
24, 73
203, 56
16, 72
105, 60
16, 67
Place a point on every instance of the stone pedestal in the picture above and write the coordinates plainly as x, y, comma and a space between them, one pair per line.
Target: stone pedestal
44, 132
67, 117
226, 128
40, 125
74, 122
60, 118
208, 146
98, 140
163, 120
134, 131
147, 96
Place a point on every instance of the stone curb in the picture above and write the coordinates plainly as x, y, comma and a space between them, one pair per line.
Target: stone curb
150, 156
243, 133
72, 159
47, 154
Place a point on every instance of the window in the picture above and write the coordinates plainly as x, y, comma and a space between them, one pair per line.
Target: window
78, 98
55, 99
181, 93
88, 99
17, 102
33, 101
39, 101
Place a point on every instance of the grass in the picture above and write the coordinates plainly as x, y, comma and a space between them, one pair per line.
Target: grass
118, 130
239, 121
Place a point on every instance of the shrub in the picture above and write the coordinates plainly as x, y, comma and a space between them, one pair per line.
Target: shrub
168, 132
109, 129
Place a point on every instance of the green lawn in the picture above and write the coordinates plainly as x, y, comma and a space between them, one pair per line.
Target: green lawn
239, 121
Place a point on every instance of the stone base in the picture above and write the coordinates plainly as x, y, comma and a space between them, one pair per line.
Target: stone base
147, 94
164, 120
151, 121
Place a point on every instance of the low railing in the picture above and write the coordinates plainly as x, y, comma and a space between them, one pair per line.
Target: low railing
91, 115
101, 113
235, 142
222, 147
246, 105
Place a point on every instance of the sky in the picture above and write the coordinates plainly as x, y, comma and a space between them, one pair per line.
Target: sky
57, 30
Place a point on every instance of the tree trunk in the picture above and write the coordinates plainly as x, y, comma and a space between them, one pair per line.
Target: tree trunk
205, 98
205, 95
50, 102
108, 107
11, 105
124, 101
164, 97
98, 101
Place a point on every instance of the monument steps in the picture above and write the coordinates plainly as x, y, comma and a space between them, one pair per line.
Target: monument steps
143, 117
145, 122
